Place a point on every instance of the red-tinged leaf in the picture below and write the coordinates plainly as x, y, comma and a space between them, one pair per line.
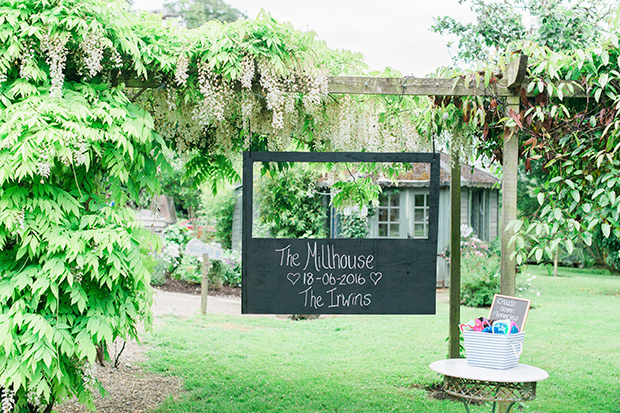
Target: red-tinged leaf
528, 165
524, 100
516, 117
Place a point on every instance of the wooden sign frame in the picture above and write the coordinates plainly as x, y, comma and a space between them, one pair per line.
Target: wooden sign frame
500, 314
339, 276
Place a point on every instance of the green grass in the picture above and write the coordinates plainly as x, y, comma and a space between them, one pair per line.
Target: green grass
380, 363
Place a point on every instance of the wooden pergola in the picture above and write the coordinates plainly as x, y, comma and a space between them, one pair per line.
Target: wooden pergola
507, 88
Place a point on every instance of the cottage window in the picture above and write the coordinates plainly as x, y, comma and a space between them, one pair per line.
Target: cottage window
420, 216
388, 214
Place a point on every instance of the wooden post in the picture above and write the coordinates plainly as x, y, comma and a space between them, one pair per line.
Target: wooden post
204, 285
455, 253
509, 200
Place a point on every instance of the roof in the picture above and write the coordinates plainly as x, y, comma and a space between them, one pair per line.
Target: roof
419, 176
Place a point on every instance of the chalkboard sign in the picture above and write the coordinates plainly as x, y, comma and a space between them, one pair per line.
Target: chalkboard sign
338, 276
505, 307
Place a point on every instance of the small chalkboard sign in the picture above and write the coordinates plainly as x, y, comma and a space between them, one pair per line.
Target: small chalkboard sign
505, 307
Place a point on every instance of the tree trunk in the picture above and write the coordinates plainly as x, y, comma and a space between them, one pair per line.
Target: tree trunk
100, 358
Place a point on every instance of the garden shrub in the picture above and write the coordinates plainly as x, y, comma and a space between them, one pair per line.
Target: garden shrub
480, 270
290, 205
188, 270
223, 214
354, 222
480, 279
226, 271
232, 263
159, 272
178, 235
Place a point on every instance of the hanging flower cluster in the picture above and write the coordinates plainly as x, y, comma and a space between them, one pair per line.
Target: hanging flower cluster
92, 47
56, 49
181, 74
248, 71
215, 94
25, 62
8, 400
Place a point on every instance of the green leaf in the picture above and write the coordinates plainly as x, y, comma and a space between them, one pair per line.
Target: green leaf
541, 198
539, 254
605, 57
606, 228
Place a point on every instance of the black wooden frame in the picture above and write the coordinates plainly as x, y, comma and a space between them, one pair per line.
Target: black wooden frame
421, 298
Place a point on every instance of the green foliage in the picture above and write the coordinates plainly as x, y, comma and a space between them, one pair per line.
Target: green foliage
194, 13
575, 142
159, 272
73, 152
610, 247
223, 213
226, 271
232, 265
353, 225
188, 270
182, 188
177, 234
557, 24
289, 204
479, 279
480, 270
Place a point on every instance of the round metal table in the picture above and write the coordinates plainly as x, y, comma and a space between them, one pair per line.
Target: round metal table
513, 385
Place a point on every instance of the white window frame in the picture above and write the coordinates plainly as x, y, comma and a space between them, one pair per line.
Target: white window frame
425, 208
389, 208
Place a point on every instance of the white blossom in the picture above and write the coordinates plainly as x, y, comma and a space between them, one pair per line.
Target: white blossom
56, 59
248, 69
92, 46
8, 400
181, 74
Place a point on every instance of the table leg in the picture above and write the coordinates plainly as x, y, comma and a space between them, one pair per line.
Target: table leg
464, 400
510, 407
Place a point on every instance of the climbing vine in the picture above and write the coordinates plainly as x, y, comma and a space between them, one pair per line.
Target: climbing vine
568, 122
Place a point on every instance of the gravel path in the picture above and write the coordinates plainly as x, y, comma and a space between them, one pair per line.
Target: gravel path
129, 387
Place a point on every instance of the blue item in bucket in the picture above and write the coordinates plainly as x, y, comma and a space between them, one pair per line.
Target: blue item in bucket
505, 327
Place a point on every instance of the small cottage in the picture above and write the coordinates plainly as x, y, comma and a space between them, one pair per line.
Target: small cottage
403, 208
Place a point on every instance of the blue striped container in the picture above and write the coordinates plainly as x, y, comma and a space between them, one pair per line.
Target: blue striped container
493, 351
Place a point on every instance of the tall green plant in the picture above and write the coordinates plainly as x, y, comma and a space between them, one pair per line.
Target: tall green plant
289, 204
72, 154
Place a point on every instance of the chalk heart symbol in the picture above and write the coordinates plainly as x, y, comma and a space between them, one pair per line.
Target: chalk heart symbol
375, 277
293, 277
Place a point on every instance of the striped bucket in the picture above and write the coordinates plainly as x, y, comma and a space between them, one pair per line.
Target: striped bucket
493, 351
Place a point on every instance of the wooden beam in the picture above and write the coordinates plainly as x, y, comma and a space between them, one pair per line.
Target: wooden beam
509, 201
413, 86
455, 253
515, 72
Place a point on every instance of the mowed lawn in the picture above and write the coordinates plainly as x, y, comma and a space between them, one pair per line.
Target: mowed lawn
380, 363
